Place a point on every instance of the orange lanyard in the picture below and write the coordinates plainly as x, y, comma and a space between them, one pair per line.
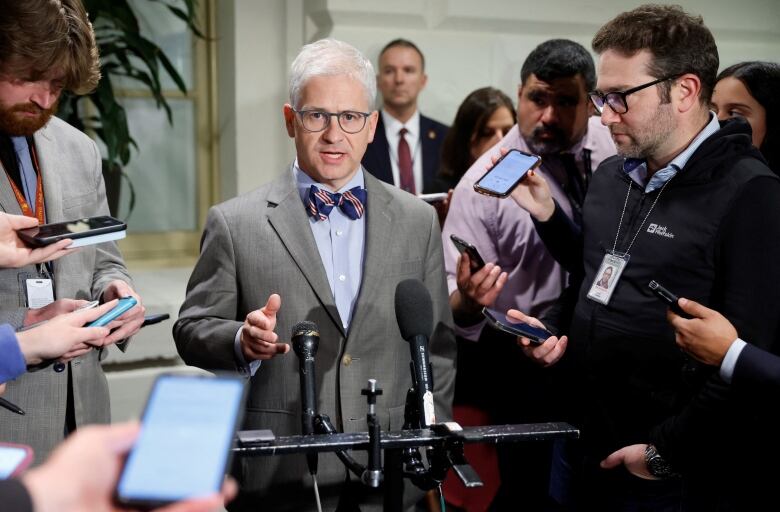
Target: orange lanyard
26, 210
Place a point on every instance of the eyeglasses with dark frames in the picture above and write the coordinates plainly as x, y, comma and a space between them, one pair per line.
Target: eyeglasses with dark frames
617, 99
315, 120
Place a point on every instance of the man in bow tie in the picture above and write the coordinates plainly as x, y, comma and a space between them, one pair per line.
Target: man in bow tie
328, 243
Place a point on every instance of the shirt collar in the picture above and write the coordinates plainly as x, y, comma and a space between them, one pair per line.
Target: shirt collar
636, 168
393, 125
304, 182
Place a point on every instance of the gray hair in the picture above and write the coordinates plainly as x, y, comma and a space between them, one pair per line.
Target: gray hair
330, 57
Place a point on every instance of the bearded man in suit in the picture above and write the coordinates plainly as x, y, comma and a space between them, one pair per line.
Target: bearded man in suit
52, 172
291, 251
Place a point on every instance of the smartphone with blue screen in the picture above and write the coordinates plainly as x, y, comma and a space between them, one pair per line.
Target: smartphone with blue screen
187, 431
507, 173
124, 304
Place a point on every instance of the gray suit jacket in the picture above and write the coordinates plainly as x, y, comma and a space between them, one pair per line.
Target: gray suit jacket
73, 188
261, 243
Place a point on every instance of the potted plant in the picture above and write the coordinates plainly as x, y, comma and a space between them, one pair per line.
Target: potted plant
124, 52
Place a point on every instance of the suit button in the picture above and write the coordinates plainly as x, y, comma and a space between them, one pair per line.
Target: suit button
59, 367
347, 359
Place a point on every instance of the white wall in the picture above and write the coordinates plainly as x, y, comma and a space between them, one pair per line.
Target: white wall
467, 44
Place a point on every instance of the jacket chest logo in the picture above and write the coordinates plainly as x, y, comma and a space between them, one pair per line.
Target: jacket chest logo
655, 229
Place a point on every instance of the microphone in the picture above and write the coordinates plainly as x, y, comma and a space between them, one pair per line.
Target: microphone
305, 340
414, 313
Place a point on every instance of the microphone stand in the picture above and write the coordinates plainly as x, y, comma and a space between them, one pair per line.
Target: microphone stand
371, 475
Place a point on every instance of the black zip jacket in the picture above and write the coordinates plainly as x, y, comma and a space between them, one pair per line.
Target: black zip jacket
713, 236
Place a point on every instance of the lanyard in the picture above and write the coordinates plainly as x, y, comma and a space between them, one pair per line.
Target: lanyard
620, 224
23, 204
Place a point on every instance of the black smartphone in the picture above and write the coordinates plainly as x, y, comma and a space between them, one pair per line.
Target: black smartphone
668, 297
92, 230
504, 176
255, 437
500, 321
124, 304
187, 431
463, 246
155, 319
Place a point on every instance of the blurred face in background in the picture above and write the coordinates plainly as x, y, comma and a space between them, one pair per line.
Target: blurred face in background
731, 98
495, 128
553, 116
401, 77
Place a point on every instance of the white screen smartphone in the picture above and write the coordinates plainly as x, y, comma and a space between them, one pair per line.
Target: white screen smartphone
14, 458
505, 175
188, 429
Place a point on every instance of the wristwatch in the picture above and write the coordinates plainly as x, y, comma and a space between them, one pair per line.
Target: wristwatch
656, 464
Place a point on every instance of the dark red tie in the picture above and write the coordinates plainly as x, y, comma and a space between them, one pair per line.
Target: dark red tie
405, 163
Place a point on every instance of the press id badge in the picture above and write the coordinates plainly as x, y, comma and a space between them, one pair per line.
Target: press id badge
607, 277
40, 292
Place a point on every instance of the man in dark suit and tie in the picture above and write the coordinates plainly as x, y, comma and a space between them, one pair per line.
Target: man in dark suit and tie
407, 147
328, 243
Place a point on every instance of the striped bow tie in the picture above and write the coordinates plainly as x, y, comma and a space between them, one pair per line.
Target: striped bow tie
321, 202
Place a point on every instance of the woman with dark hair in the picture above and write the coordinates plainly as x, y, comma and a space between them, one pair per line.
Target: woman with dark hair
482, 120
750, 89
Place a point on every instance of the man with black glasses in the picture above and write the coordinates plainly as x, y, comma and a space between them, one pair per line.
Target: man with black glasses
328, 243
691, 204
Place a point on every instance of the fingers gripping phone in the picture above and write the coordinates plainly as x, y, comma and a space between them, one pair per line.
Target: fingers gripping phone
463, 246
124, 304
507, 173
501, 322
668, 297
187, 431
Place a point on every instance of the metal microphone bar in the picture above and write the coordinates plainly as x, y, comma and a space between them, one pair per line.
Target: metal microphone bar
493, 434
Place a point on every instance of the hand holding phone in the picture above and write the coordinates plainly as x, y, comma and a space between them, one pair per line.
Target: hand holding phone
124, 304
188, 428
667, 297
476, 261
507, 173
501, 322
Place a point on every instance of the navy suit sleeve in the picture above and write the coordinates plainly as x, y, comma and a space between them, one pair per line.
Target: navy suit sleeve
756, 368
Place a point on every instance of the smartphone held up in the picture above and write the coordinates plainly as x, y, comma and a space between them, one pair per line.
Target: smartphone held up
88, 231
507, 173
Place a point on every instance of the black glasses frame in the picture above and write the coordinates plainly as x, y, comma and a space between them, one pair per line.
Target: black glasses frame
337, 115
620, 96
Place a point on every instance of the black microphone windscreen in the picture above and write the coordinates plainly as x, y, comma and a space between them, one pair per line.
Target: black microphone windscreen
413, 309
305, 327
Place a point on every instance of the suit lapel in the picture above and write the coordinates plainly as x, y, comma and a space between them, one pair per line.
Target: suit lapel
379, 232
384, 170
291, 224
51, 169
429, 150
8, 202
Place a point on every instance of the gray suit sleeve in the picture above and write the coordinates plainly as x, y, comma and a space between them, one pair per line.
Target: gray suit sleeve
443, 350
207, 325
